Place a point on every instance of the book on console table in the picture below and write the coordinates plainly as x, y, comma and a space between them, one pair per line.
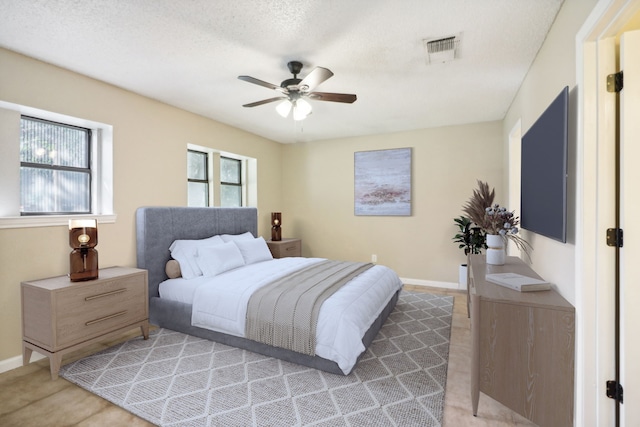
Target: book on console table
518, 282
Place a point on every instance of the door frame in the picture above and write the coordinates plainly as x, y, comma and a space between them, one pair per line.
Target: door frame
594, 260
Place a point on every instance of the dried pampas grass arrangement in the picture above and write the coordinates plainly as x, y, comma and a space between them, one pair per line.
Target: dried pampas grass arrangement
492, 218
476, 206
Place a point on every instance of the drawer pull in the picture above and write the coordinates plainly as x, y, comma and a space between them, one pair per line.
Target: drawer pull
291, 248
106, 294
102, 319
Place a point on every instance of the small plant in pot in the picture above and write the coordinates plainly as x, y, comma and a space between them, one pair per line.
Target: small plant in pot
472, 240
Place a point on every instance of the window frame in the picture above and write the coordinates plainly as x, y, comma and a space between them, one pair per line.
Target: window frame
207, 173
249, 172
87, 171
240, 184
101, 146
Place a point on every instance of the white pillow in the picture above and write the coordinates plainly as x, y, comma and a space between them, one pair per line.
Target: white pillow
186, 259
185, 251
254, 250
237, 237
217, 259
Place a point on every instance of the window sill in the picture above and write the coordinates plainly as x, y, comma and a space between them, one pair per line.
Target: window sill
50, 220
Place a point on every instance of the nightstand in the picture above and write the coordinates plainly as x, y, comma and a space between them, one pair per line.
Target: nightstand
60, 316
285, 248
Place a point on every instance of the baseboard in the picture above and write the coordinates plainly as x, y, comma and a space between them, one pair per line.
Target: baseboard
16, 362
429, 283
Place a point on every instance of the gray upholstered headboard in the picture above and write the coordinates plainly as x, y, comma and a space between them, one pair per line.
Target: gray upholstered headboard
158, 227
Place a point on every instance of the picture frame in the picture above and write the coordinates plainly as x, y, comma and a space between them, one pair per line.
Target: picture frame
382, 182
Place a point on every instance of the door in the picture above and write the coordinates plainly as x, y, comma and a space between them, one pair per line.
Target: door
630, 224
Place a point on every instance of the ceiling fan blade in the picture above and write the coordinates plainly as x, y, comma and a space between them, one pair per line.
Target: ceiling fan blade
314, 78
259, 82
265, 101
333, 97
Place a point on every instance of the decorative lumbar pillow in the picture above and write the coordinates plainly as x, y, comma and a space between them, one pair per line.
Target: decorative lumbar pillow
254, 250
185, 257
214, 260
172, 268
185, 251
237, 237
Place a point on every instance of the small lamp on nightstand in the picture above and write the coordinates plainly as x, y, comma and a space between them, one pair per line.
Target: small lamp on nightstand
276, 222
83, 260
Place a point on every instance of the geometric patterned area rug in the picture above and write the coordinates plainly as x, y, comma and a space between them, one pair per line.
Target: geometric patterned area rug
173, 379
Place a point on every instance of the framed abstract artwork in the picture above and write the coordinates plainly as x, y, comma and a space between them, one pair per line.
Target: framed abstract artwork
383, 182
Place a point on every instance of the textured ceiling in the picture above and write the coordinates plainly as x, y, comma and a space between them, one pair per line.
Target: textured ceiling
188, 53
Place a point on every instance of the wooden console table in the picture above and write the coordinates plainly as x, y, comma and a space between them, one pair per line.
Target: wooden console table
522, 346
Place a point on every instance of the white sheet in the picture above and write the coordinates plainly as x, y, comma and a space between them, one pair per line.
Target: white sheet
220, 304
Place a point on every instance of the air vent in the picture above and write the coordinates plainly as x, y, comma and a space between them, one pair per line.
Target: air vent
442, 49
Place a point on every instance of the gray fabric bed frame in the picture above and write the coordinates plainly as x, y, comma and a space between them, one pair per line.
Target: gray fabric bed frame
158, 227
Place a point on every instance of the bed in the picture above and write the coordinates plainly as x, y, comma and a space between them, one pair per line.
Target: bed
157, 228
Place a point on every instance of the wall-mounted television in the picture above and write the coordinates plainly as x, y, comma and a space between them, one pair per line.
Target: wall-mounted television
543, 206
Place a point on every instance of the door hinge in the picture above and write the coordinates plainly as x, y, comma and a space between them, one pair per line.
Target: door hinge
614, 237
614, 390
615, 82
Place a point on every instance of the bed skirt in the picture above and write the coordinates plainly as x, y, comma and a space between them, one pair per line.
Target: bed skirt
176, 316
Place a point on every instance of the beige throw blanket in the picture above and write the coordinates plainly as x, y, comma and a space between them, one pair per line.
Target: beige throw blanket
284, 313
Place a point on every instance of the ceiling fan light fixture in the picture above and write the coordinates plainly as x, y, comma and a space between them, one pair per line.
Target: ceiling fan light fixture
301, 109
284, 108
292, 91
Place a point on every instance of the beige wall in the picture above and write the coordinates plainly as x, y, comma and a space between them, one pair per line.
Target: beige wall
562, 264
318, 190
554, 68
631, 25
150, 143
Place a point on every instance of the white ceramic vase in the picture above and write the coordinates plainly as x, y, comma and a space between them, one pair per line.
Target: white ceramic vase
495, 249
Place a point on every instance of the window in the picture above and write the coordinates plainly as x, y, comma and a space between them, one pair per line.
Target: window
198, 178
230, 182
55, 168
216, 178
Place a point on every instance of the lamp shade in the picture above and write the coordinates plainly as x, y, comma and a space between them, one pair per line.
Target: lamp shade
284, 108
301, 109
83, 233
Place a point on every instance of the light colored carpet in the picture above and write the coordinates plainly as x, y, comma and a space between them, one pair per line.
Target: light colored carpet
174, 379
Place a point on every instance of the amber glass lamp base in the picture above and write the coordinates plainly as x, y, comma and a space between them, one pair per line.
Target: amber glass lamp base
276, 234
83, 265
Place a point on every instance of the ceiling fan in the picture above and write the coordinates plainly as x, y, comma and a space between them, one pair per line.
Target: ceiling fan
293, 91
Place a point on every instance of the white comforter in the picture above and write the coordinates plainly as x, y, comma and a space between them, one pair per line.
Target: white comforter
220, 304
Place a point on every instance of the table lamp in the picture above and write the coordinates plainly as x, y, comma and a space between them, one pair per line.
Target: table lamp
83, 260
276, 222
